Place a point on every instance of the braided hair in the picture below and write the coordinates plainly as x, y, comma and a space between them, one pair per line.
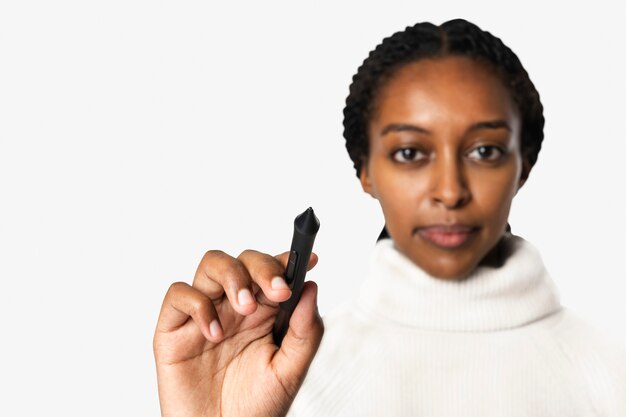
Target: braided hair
456, 37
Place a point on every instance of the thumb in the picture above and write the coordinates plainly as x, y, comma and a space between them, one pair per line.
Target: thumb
291, 362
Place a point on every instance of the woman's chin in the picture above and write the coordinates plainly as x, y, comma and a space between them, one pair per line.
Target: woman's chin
447, 267
451, 274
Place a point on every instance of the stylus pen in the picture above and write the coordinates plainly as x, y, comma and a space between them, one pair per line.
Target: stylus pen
305, 227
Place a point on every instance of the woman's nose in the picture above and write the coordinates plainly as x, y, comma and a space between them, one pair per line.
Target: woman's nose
449, 183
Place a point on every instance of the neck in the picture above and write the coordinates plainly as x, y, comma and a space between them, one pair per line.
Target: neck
496, 257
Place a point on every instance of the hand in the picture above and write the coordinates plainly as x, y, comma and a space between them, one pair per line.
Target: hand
213, 344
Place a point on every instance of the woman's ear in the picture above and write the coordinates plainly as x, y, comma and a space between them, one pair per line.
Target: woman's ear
366, 182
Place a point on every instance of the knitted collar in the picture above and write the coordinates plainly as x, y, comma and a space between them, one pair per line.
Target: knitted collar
516, 293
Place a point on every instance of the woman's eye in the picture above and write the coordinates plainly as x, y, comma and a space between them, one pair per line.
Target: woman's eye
488, 153
406, 155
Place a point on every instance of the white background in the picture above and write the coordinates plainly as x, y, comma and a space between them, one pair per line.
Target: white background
136, 135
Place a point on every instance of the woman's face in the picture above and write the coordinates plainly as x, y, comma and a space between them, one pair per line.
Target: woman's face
445, 151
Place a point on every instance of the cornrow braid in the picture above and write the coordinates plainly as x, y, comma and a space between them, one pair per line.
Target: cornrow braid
425, 40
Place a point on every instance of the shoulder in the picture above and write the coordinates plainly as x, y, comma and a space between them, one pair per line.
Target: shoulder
337, 367
599, 358
344, 332
580, 336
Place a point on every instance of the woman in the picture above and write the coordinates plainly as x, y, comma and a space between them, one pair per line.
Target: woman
458, 316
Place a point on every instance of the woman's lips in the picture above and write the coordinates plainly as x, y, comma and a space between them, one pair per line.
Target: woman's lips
451, 236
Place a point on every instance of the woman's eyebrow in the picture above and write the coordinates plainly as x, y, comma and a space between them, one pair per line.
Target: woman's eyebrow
489, 124
400, 127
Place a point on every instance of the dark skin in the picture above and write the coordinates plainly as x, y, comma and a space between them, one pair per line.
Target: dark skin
213, 342
213, 345
427, 165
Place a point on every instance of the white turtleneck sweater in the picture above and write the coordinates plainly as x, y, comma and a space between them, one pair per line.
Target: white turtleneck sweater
496, 344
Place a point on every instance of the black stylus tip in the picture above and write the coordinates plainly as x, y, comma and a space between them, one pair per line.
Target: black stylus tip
307, 222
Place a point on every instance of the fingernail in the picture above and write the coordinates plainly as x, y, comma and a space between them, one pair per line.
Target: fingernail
278, 283
215, 329
244, 297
